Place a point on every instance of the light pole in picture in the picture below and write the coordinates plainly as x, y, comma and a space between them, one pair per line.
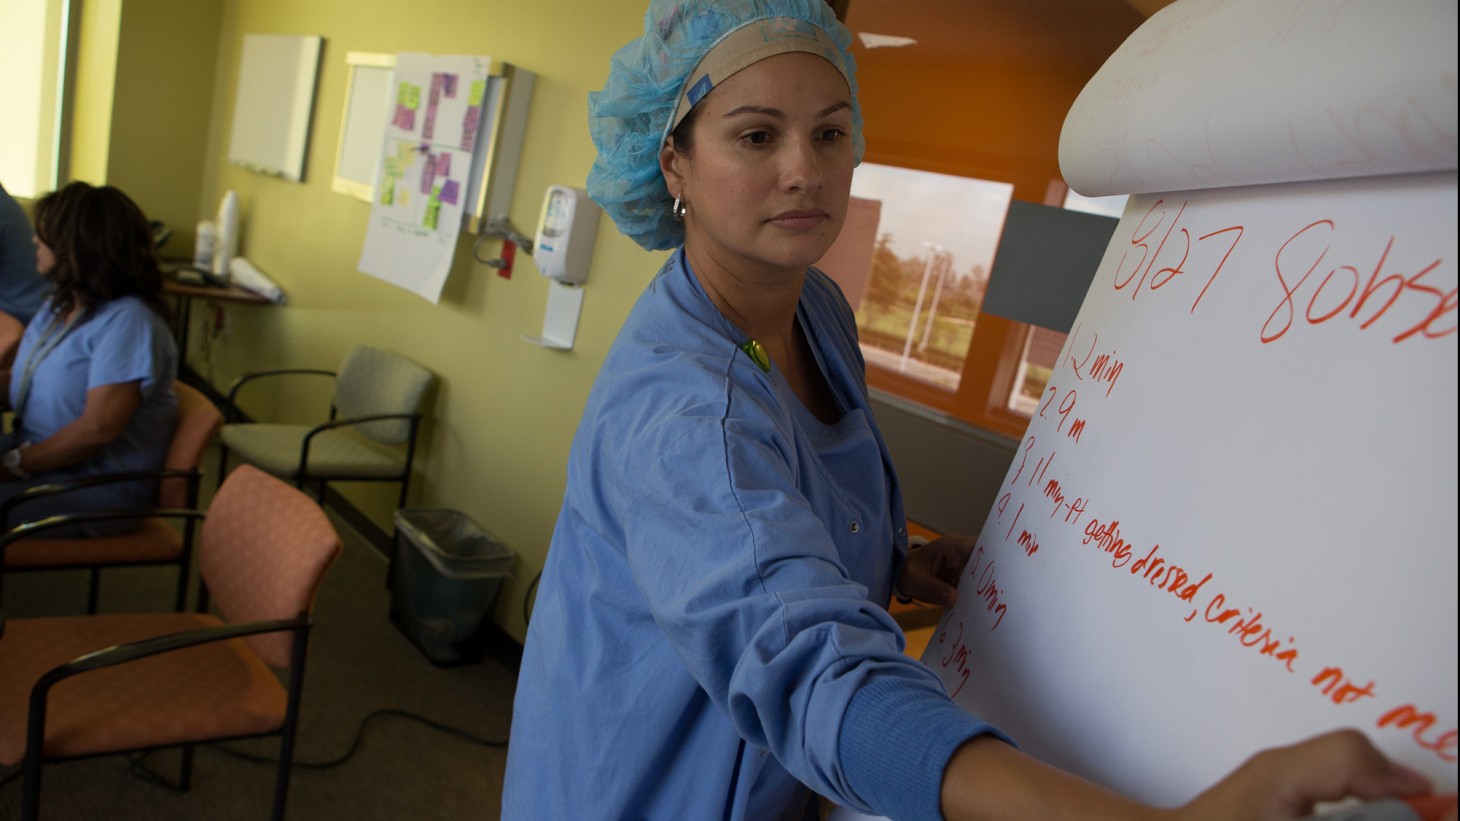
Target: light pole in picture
943, 266
939, 259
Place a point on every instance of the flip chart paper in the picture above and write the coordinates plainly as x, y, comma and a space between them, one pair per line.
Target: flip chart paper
1214, 94
1231, 523
434, 118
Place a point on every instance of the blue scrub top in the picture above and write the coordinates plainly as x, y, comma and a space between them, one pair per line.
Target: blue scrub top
709, 627
121, 340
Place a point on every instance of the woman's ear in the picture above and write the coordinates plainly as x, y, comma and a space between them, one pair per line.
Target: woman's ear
670, 163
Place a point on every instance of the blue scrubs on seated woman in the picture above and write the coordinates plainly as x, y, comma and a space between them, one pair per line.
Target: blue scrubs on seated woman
119, 341
91, 386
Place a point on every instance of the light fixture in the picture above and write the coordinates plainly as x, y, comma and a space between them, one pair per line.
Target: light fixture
884, 40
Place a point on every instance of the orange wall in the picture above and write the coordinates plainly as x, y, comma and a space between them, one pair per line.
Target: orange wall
995, 119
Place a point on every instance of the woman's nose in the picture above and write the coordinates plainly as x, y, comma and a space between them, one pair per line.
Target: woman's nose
802, 167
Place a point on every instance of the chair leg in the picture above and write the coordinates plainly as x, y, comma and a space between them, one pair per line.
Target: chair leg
185, 770
291, 723
281, 784
93, 594
30, 806
222, 463
181, 603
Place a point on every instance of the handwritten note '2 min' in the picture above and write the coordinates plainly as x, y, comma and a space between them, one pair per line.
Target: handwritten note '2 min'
1232, 521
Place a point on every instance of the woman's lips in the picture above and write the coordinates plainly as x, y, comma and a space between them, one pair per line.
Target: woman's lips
798, 219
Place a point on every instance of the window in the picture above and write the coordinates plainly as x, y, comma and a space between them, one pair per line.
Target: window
1041, 345
914, 259
930, 239
32, 34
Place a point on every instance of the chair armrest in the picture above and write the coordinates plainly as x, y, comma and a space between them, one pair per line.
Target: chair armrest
143, 648
27, 530
238, 383
56, 488
413, 418
359, 420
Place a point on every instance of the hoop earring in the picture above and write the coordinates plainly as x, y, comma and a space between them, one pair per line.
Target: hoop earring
678, 209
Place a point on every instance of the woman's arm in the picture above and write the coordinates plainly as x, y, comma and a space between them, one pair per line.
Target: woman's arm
108, 410
988, 779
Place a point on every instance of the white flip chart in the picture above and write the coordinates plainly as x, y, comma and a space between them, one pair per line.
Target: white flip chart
1232, 521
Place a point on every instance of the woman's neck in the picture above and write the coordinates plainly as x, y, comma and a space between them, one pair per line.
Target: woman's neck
761, 303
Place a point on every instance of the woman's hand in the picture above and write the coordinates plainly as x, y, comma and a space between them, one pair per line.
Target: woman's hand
1286, 782
931, 571
989, 780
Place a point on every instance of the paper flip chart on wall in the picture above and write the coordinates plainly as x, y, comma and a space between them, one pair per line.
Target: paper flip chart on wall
434, 118
1231, 523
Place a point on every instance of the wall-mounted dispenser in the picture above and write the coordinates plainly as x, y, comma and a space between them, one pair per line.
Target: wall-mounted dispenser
566, 230
562, 249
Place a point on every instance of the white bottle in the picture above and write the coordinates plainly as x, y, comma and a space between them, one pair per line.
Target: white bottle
207, 244
227, 245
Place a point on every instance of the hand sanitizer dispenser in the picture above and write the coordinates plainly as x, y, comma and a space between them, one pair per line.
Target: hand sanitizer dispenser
565, 234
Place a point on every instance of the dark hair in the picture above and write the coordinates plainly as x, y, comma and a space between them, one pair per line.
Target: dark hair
102, 245
683, 134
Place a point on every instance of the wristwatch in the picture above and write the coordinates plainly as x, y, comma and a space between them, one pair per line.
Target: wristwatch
11, 462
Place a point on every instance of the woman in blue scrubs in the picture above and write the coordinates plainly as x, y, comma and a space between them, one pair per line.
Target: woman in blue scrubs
91, 385
710, 638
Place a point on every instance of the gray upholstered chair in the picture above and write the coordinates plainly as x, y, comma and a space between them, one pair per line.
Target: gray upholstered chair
370, 435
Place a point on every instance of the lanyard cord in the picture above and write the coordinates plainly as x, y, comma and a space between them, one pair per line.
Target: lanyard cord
49, 340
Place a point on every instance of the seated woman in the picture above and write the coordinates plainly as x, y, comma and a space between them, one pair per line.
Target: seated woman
91, 385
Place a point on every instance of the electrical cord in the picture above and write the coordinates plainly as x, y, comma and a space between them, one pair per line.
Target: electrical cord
359, 735
139, 768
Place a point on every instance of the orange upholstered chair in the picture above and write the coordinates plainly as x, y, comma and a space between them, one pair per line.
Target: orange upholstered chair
156, 541
80, 686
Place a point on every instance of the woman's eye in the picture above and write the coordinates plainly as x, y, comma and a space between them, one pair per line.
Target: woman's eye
757, 137
832, 134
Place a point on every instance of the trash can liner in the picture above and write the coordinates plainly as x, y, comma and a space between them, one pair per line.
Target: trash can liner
445, 579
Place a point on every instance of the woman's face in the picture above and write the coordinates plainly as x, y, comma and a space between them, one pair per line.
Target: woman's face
45, 258
768, 175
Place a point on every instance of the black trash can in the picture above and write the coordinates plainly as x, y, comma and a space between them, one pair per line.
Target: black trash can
444, 583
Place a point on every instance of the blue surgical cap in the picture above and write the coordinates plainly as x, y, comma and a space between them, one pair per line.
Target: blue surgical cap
630, 118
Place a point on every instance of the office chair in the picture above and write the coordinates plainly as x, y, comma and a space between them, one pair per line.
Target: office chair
83, 686
157, 540
376, 409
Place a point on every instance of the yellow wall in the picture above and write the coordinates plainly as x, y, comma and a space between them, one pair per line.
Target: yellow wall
143, 96
166, 58
505, 411
96, 68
